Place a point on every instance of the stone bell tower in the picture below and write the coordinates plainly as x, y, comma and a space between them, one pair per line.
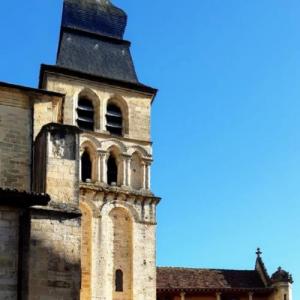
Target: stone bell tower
105, 100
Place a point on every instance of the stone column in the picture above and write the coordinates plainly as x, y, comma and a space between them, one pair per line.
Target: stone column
126, 170
182, 296
250, 296
81, 150
102, 168
218, 296
146, 165
144, 171
148, 172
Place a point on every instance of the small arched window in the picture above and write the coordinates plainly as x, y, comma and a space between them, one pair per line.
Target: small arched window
85, 114
114, 119
119, 281
112, 170
86, 166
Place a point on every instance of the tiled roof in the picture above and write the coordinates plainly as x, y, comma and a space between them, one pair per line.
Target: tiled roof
17, 198
205, 279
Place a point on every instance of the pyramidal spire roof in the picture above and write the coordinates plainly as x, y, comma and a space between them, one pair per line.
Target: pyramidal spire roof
91, 40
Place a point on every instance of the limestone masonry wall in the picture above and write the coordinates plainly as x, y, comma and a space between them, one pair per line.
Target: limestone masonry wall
54, 256
15, 140
56, 164
9, 245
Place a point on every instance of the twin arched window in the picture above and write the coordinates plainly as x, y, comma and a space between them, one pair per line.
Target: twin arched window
86, 116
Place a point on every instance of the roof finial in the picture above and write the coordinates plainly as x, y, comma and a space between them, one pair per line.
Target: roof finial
258, 252
103, 2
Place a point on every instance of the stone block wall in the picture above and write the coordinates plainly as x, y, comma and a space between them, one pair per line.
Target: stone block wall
122, 254
9, 248
53, 256
46, 110
56, 164
15, 140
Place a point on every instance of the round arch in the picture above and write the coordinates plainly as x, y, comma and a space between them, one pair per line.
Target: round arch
88, 150
143, 152
109, 206
107, 144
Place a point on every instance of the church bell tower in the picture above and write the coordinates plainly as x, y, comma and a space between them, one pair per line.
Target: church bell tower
106, 101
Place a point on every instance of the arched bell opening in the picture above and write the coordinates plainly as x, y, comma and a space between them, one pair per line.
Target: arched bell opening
86, 166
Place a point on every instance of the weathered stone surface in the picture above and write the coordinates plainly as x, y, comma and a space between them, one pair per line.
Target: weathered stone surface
9, 241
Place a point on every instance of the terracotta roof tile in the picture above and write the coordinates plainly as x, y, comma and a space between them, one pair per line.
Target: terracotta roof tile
188, 278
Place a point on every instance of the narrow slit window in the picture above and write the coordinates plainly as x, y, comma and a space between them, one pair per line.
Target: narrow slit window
114, 119
112, 170
85, 114
119, 281
86, 167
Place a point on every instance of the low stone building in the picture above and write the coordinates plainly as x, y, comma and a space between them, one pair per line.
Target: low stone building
77, 214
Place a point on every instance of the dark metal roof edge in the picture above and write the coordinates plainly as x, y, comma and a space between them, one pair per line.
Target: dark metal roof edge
57, 126
126, 84
17, 198
30, 89
60, 212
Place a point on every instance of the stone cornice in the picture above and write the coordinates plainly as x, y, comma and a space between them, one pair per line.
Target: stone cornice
124, 193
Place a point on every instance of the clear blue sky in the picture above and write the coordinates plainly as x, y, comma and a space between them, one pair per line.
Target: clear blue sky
226, 123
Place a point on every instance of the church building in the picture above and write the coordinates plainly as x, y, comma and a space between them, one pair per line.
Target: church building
77, 213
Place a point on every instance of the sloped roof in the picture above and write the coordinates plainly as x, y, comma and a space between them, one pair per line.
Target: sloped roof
206, 279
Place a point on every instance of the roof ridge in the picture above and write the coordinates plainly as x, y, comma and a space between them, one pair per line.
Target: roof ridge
208, 269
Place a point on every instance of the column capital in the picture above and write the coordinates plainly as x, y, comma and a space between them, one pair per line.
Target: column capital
147, 161
101, 152
218, 295
250, 294
126, 156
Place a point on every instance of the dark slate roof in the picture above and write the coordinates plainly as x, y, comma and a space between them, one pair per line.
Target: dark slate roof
97, 16
91, 40
207, 279
17, 198
97, 56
